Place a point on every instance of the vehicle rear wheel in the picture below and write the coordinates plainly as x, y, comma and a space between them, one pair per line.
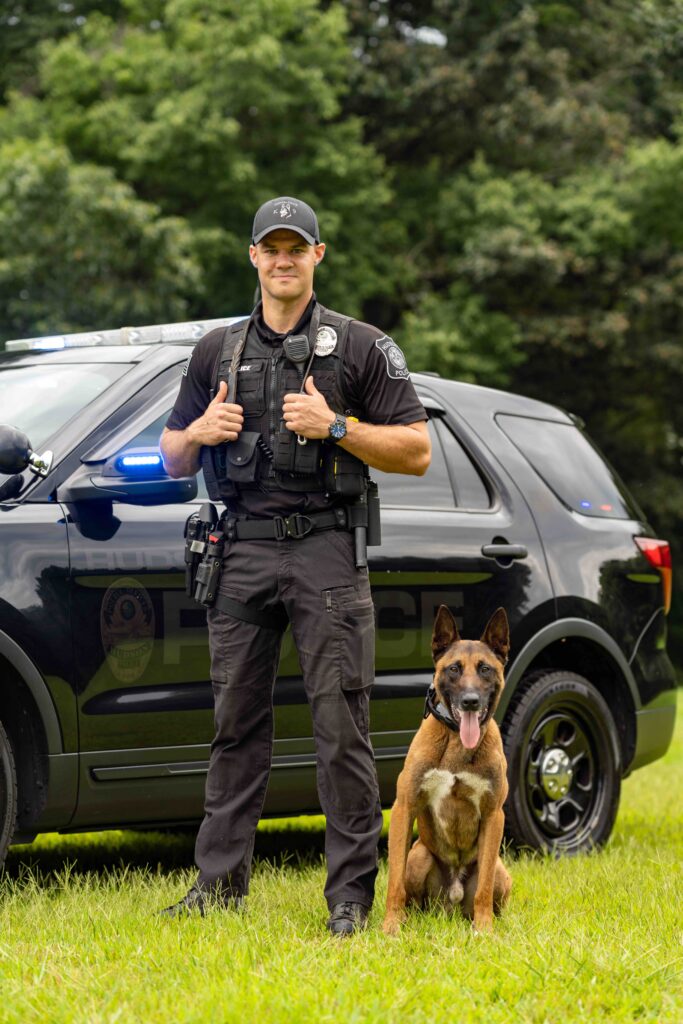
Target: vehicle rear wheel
8, 794
564, 764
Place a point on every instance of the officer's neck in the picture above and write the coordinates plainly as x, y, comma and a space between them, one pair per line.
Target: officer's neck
283, 316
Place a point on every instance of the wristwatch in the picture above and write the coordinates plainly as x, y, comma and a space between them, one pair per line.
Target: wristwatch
337, 428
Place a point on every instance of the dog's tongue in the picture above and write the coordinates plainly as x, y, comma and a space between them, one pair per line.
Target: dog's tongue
469, 729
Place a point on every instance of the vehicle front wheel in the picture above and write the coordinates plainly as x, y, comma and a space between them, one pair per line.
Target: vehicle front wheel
8, 794
564, 764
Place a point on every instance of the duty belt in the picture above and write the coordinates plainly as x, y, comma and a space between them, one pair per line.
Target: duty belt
295, 526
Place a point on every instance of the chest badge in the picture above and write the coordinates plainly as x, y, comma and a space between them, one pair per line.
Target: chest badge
325, 341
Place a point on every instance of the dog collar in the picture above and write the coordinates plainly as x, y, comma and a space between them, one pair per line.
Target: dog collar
439, 710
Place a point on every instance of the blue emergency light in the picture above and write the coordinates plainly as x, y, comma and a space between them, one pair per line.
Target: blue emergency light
140, 463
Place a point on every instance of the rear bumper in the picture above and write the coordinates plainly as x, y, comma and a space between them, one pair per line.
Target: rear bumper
654, 729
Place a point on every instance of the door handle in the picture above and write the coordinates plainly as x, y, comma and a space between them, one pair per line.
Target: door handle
504, 550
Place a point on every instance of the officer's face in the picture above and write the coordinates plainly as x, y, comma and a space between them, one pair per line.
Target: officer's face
285, 264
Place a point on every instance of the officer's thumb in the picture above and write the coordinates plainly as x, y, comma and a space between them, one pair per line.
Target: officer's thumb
222, 393
311, 389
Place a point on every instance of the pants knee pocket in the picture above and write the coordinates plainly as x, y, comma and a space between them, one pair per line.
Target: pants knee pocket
353, 617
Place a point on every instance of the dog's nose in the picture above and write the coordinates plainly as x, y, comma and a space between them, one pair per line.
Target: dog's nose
470, 701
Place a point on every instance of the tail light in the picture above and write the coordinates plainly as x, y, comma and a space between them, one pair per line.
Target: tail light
658, 554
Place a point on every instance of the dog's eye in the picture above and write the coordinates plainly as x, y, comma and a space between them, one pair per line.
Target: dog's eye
455, 669
484, 669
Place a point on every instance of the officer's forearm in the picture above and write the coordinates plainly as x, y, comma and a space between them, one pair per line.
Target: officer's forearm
392, 449
180, 452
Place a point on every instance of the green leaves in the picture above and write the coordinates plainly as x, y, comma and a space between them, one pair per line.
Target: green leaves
78, 249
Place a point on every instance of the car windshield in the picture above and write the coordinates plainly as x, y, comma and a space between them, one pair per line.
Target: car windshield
39, 399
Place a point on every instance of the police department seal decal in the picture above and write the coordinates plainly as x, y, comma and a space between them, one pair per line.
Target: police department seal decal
127, 628
397, 368
325, 341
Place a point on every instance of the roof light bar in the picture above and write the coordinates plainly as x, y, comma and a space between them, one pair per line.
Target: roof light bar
150, 334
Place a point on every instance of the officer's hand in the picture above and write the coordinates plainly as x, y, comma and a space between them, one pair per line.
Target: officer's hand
222, 420
308, 414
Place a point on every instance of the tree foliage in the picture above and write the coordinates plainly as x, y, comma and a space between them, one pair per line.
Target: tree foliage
78, 248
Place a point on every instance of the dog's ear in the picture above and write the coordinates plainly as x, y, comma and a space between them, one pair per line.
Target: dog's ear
497, 635
445, 632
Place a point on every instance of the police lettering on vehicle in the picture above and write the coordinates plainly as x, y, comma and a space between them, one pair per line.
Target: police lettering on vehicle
397, 368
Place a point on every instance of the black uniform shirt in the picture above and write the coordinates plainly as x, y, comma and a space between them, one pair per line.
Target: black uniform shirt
375, 378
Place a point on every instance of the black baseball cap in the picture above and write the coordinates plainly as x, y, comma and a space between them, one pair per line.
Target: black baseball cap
286, 212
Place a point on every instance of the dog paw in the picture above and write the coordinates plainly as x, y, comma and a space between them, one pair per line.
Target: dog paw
482, 925
391, 926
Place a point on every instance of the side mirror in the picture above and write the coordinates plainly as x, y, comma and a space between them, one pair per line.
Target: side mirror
16, 453
136, 476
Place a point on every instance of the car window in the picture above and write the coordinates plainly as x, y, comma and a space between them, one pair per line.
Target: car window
40, 399
572, 467
470, 490
452, 481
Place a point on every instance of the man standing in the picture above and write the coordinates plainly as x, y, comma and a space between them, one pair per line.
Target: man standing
315, 398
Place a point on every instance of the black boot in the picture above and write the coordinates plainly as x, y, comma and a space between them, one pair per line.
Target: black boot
200, 900
347, 918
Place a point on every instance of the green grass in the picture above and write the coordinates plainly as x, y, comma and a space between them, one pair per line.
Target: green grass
594, 938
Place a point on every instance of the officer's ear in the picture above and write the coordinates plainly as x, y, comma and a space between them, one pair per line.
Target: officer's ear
252, 255
319, 253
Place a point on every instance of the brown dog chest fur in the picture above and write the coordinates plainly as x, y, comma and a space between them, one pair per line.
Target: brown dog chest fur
454, 792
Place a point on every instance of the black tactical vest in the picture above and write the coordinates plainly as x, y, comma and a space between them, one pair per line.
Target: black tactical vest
266, 455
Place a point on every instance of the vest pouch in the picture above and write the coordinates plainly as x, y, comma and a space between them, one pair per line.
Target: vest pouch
307, 456
243, 458
251, 386
344, 474
297, 459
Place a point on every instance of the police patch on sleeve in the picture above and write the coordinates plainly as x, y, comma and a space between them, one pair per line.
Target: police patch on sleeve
397, 368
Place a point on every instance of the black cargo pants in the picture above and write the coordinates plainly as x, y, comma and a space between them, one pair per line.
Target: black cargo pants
331, 614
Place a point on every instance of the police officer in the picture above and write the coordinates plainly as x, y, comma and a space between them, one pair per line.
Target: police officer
285, 412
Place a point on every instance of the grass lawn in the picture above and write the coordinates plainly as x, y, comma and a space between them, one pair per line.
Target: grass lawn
594, 938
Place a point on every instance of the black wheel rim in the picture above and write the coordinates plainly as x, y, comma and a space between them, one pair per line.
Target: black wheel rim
563, 775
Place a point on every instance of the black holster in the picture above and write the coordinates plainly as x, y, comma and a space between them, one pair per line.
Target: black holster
204, 542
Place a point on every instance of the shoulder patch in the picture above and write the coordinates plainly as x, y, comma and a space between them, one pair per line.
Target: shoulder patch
186, 367
397, 368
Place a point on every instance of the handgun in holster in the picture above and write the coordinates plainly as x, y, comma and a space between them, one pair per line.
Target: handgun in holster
200, 554
210, 569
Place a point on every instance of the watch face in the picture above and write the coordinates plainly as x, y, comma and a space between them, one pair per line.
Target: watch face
338, 428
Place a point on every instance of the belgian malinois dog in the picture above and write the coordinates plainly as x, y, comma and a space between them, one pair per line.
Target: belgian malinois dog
454, 782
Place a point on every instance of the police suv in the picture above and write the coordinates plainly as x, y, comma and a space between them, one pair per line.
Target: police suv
105, 695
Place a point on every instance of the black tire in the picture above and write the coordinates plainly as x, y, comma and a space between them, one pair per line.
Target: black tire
564, 764
8, 795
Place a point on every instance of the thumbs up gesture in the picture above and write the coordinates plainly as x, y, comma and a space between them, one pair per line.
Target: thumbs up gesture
222, 420
307, 414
